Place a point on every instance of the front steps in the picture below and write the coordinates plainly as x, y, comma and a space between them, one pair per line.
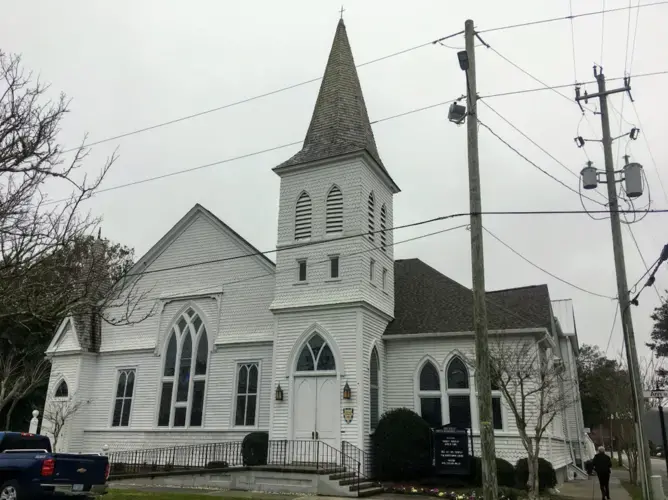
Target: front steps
350, 485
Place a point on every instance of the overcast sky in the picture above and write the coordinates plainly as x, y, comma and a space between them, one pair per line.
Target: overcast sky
131, 64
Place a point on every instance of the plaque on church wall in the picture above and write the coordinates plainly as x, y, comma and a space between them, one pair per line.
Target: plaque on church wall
348, 414
451, 451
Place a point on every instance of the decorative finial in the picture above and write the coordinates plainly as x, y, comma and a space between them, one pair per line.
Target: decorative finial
99, 233
342, 11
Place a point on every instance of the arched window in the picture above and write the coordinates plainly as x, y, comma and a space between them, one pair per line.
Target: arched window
303, 213
374, 389
372, 216
247, 392
334, 211
429, 393
459, 393
184, 373
383, 227
62, 391
316, 355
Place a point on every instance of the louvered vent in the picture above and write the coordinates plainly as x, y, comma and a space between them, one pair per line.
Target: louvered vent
372, 217
303, 217
383, 227
334, 218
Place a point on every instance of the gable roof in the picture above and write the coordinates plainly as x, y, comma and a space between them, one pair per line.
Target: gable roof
426, 301
340, 122
198, 210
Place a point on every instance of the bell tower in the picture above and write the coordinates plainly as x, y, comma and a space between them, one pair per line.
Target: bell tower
335, 265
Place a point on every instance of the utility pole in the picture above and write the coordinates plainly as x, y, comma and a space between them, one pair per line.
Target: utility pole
488, 453
622, 285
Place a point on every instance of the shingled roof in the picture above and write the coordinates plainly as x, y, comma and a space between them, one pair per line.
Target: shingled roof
426, 301
340, 122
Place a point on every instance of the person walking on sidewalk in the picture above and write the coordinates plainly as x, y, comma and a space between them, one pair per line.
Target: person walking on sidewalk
602, 466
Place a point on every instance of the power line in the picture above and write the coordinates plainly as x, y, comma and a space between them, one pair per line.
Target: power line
570, 11
535, 165
612, 329
649, 149
602, 33
642, 258
555, 19
564, 85
249, 99
543, 269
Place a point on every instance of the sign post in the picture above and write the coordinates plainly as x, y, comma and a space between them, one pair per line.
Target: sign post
660, 395
451, 451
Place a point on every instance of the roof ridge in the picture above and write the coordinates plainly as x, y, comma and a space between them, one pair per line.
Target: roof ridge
516, 288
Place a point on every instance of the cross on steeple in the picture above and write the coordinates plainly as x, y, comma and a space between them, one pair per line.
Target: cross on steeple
342, 11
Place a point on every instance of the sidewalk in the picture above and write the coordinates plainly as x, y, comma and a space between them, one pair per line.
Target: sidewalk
589, 489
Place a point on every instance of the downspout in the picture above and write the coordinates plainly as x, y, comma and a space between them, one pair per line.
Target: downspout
564, 413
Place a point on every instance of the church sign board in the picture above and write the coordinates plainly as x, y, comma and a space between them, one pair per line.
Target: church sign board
451, 451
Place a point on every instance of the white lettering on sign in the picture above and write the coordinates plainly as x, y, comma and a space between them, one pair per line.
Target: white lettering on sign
656, 394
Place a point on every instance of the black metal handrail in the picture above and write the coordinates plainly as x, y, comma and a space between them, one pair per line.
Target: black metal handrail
316, 455
365, 459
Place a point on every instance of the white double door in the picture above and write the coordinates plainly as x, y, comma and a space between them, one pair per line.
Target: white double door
316, 415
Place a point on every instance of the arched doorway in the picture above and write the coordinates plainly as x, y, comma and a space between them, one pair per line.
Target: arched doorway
316, 402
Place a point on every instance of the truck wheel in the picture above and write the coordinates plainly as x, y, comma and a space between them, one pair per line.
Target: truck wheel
10, 490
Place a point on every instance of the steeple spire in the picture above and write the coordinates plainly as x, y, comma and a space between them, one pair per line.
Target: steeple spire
340, 123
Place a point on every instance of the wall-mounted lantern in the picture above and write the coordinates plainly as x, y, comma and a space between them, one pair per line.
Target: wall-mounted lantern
279, 393
347, 394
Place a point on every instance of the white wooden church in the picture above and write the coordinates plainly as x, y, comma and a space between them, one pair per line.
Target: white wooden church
313, 347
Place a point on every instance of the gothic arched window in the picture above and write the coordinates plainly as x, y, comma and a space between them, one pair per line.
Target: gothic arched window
184, 373
316, 355
459, 393
334, 211
303, 212
429, 393
62, 391
374, 389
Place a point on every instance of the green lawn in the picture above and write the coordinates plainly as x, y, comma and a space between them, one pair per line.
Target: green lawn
634, 490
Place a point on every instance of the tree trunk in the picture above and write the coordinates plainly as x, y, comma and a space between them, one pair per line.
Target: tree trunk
8, 418
619, 456
532, 481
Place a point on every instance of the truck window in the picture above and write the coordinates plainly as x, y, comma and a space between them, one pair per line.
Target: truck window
24, 442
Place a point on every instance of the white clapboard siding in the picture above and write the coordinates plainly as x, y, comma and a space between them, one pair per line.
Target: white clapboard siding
356, 180
202, 239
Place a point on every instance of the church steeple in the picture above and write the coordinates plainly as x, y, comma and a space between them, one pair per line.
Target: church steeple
340, 122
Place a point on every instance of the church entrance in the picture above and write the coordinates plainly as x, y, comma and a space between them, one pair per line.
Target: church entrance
315, 410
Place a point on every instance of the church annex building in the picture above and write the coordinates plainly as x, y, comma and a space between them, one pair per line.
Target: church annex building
343, 330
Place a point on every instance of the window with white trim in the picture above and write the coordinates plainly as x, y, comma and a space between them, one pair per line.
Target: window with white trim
123, 401
384, 278
372, 270
301, 270
383, 226
184, 373
429, 394
247, 395
334, 266
374, 390
459, 393
372, 216
334, 211
303, 212
62, 391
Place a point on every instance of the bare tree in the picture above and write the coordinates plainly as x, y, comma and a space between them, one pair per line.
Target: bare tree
57, 414
51, 264
20, 374
531, 385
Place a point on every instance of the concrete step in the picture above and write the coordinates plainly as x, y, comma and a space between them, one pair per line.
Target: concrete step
342, 475
370, 491
363, 485
350, 480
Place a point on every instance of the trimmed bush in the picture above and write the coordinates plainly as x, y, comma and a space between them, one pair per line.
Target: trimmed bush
547, 477
402, 446
505, 472
254, 448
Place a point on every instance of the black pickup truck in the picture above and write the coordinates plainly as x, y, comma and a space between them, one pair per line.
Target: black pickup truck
29, 470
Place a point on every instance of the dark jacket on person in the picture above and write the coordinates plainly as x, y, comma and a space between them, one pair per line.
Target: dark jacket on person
602, 463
